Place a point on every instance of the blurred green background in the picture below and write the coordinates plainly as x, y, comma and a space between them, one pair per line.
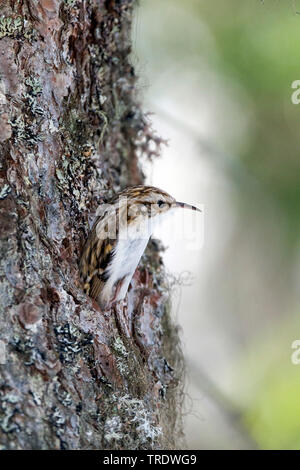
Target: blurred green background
218, 77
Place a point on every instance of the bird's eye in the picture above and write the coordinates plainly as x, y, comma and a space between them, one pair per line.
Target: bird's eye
160, 203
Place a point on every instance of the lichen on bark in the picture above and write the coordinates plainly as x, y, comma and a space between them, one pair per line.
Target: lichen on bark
71, 134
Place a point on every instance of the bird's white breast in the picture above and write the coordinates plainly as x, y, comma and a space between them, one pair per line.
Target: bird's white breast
129, 248
131, 244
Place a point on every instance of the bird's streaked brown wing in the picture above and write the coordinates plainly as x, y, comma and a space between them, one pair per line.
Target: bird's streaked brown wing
95, 286
96, 256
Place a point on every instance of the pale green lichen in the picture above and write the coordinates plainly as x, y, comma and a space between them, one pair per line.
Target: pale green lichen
70, 3
4, 191
122, 354
10, 27
119, 347
70, 342
8, 407
26, 347
23, 131
14, 27
30, 34
6, 420
24, 127
63, 396
57, 417
33, 105
122, 366
35, 89
59, 175
35, 85
113, 429
142, 419
131, 412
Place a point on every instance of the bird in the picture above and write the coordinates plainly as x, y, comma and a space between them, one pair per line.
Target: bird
118, 239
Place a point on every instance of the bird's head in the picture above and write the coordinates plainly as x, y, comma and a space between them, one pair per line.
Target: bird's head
150, 202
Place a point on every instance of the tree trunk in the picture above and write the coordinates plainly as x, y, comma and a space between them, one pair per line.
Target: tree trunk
71, 134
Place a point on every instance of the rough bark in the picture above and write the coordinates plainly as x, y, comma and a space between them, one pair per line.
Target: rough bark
71, 134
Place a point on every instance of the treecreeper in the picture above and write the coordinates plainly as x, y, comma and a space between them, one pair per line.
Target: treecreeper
118, 239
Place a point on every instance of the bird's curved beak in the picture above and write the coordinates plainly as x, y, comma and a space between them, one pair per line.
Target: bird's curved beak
186, 206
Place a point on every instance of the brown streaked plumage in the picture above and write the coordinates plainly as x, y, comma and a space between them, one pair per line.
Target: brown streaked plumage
118, 239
